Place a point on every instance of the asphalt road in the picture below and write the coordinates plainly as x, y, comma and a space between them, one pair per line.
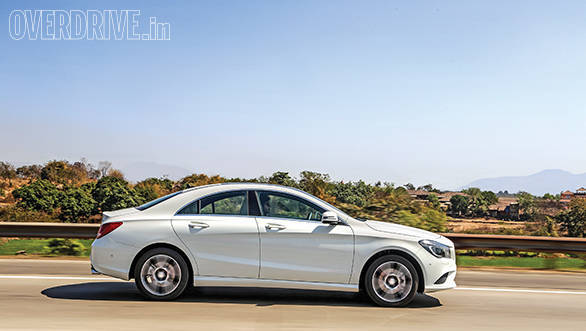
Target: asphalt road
62, 295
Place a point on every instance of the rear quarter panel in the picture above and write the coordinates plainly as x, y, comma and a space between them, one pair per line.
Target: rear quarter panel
113, 254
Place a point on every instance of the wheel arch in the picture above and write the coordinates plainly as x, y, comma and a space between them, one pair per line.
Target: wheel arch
402, 253
162, 245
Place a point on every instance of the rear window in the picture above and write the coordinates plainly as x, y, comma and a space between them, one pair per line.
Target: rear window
157, 201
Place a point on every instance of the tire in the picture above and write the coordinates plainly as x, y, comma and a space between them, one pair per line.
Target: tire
391, 281
161, 274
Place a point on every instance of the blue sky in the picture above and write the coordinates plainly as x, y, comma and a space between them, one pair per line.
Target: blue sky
410, 91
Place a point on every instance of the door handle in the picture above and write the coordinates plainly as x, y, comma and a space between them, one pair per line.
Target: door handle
274, 226
198, 225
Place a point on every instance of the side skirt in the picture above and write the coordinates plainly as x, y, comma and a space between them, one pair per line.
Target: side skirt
272, 283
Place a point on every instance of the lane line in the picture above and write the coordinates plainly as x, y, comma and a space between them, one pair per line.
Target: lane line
517, 290
55, 277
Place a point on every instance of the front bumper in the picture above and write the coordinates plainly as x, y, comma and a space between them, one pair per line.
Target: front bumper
440, 273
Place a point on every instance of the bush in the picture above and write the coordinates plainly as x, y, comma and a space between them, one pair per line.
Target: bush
573, 220
41, 195
16, 214
153, 188
76, 205
111, 193
64, 247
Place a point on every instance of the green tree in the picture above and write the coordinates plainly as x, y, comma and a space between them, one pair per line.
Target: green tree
111, 193
428, 188
315, 183
198, 180
433, 200
40, 195
356, 193
282, 178
527, 205
76, 205
459, 204
409, 186
489, 198
153, 188
573, 220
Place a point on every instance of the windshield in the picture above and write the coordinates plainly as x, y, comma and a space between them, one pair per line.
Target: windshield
157, 201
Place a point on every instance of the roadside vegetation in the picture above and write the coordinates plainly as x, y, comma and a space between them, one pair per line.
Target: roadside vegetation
61, 191
45, 247
536, 262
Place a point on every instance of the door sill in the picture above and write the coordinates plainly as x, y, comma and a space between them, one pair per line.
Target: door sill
272, 283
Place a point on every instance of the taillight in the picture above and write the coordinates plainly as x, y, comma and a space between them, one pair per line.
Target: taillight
107, 228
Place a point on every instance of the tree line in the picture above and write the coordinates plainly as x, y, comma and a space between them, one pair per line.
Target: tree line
79, 192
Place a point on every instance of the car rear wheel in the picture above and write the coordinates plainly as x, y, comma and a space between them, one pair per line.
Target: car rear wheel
161, 274
391, 281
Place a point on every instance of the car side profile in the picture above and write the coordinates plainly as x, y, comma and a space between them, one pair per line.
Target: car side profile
263, 235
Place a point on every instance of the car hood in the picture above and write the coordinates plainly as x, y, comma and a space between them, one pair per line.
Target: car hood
401, 229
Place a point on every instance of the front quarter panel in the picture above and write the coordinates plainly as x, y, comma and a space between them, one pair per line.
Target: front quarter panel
369, 242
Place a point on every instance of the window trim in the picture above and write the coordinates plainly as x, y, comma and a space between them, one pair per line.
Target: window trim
198, 200
287, 195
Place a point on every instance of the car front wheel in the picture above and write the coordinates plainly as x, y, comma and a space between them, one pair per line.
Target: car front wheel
161, 274
391, 281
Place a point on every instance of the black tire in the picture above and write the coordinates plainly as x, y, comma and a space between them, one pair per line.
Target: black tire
389, 288
176, 275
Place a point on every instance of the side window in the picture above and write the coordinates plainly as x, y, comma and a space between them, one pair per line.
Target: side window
282, 205
190, 209
229, 203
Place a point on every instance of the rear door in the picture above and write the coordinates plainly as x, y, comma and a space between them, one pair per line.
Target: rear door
221, 235
296, 246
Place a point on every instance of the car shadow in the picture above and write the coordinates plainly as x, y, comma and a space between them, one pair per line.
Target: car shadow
126, 291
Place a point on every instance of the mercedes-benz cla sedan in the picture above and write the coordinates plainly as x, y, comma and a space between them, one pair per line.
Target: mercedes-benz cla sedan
261, 235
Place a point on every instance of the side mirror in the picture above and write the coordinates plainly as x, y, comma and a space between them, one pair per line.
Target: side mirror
329, 217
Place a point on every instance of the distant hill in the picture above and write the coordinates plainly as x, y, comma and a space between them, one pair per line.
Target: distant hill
547, 181
138, 171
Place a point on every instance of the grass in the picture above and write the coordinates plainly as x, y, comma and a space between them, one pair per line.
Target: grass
35, 246
521, 262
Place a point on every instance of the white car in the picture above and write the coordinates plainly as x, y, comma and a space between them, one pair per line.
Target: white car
261, 235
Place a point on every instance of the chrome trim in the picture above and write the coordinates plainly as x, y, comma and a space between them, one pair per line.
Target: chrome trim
272, 283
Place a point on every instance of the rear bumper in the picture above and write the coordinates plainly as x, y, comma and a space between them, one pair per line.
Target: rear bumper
111, 258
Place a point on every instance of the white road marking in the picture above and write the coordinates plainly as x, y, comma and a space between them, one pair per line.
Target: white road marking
517, 290
54, 277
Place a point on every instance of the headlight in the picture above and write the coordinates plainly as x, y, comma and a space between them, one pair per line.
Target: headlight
436, 249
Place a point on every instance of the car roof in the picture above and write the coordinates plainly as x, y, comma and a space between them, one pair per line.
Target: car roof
175, 203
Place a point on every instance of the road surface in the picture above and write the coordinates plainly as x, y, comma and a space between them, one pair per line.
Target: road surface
61, 295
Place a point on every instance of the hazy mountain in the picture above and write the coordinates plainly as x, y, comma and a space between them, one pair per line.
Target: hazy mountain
138, 171
547, 181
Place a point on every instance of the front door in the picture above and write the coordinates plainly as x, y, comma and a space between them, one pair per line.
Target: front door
296, 246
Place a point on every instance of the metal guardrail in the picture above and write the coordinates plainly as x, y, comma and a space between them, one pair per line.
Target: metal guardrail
518, 243
461, 241
48, 230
